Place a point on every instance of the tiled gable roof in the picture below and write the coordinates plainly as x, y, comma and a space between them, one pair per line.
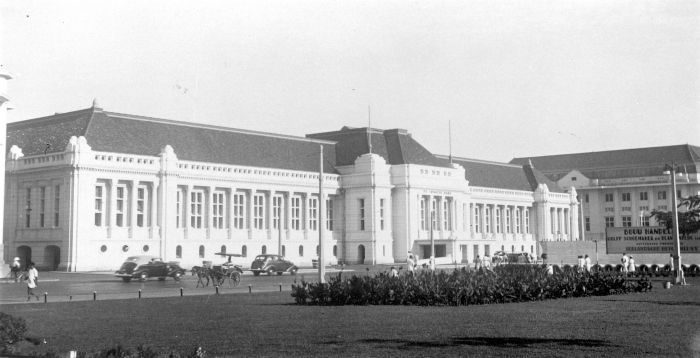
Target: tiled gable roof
396, 146
47, 134
121, 133
503, 175
637, 162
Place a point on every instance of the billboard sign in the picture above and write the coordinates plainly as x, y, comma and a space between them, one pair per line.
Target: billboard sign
648, 240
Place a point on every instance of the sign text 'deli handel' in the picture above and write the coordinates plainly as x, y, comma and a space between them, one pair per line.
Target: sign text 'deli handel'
648, 240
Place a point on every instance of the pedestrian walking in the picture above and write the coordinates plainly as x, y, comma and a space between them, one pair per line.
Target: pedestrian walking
631, 266
625, 263
477, 262
393, 272
587, 263
15, 269
411, 263
581, 263
32, 281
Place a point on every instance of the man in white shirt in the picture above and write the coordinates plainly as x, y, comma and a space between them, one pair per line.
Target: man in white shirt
32, 277
587, 263
625, 262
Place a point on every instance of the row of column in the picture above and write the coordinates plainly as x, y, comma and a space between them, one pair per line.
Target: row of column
560, 223
486, 219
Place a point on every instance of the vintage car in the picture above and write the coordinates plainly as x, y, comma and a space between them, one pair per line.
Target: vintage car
272, 264
143, 267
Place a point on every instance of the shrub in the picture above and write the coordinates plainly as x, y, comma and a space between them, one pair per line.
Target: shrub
506, 283
12, 331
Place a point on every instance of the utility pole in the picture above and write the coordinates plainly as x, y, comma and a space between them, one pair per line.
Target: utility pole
321, 221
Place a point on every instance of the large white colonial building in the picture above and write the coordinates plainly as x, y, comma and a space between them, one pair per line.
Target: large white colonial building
620, 188
88, 188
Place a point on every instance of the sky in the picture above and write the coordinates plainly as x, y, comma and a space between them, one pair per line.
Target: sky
510, 78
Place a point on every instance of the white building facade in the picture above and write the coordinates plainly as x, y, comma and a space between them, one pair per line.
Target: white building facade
86, 189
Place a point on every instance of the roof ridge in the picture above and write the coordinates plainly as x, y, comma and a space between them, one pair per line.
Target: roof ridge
50, 117
483, 161
605, 151
216, 127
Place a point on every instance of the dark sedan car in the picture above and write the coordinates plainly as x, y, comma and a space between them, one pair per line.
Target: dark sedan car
138, 268
272, 264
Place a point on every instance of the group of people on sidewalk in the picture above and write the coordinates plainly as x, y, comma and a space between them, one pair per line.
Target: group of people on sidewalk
31, 276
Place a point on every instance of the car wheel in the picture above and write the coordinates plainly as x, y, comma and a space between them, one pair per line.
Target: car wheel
126, 279
293, 271
143, 276
177, 276
279, 273
256, 273
161, 278
270, 271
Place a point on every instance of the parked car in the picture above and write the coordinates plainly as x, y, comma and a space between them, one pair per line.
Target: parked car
143, 267
272, 264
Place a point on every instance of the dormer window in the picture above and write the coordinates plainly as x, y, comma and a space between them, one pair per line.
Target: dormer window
573, 178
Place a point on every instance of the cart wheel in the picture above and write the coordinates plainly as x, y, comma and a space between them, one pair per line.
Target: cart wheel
236, 279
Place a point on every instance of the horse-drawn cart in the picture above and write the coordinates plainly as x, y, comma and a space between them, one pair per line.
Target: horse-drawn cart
219, 274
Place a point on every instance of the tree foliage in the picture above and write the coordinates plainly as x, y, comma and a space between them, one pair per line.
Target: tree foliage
688, 215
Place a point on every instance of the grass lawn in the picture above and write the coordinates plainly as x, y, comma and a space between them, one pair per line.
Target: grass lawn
662, 323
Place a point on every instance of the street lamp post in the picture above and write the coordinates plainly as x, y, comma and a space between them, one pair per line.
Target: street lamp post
671, 169
596, 251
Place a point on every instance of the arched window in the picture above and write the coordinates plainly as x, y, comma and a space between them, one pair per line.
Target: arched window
335, 250
178, 251
201, 251
284, 250
264, 249
223, 249
301, 250
244, 251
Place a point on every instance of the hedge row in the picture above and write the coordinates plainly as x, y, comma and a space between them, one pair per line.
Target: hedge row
506, 283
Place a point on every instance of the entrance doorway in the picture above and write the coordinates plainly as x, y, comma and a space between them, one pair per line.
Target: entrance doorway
25, 256
52, 255
440, 251
361, 254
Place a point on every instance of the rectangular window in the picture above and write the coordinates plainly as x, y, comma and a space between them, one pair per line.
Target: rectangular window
423, 216
588, 223
487, 250
277, 212
487, 220
140, 205
643, 220
517, 221
178, 208
609, 198
585, 197
434, 222
361, 204
499, 216
259, 211
217, 210
329, 214
313, 214
509, 228
609, 221
643, 195
477, 219
381, 214
527, 221
239, 210
196, 203
626, 196
28, 208
678, 194
661, 195
56, 204
99, 204
42, 205
447, 214
626, 221
121, 206
296, 212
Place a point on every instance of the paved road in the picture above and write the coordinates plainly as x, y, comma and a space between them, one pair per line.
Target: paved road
64, 286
